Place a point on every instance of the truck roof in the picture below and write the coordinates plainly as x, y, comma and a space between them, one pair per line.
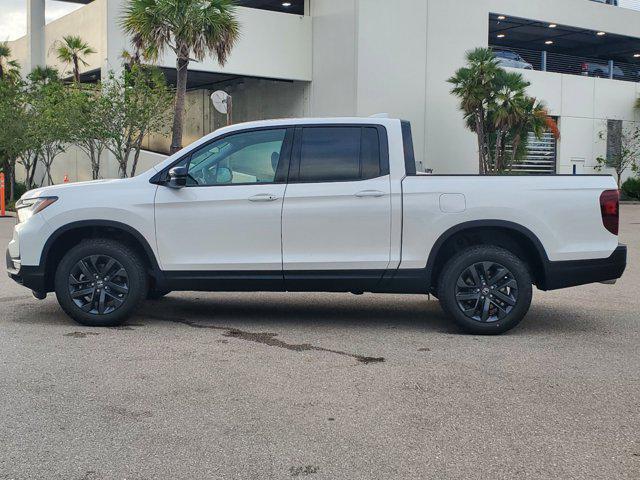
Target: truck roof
306, 121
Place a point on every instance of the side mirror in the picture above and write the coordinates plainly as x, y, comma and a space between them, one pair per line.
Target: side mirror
178, 177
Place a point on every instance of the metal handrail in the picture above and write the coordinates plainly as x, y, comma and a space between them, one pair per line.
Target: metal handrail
574, 65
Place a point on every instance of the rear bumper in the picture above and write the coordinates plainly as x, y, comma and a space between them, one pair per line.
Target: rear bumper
581, 272
28, 276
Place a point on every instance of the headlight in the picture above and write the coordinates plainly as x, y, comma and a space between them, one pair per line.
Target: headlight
28, 208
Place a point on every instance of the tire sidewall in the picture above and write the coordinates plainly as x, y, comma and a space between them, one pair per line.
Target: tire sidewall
466, 258
128, 260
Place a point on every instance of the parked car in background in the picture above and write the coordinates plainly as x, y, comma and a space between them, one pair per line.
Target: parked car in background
592, 69
509, 58
320, 205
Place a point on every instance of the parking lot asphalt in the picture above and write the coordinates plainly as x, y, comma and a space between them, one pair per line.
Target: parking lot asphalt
319, 386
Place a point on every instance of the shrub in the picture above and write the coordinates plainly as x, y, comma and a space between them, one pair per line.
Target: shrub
19, 189
631, 188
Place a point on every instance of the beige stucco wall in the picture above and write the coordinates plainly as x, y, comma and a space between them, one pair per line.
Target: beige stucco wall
396, 57
271, 44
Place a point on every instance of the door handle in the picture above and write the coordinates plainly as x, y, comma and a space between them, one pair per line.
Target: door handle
263, 197
370, 193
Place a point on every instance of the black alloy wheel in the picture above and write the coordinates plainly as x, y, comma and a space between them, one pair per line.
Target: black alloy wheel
486, 292
98, 284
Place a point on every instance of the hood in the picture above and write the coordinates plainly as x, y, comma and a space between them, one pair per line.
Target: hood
54, 190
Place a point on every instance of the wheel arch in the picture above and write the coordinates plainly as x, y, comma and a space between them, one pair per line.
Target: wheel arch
521, 241
73, 233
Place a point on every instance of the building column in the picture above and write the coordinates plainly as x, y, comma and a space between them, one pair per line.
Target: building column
114, 41
35, 35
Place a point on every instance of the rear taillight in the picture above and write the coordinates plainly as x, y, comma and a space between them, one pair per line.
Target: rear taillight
610, 209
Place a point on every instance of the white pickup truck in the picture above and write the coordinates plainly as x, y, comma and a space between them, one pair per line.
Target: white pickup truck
328, 205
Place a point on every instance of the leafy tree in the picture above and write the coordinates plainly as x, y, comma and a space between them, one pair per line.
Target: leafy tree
191, 29
9, 69
72, 50
13, 134
627, 158
497, 109
51, 123
136, 103
89, 115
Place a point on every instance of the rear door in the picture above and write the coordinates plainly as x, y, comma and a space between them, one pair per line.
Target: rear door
336, 215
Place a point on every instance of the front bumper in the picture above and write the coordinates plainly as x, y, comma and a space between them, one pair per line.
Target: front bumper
581, 272
31, 277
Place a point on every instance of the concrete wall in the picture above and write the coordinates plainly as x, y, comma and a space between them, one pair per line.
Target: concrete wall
404, 52
272, 44
81, 22
584, 104
253, 99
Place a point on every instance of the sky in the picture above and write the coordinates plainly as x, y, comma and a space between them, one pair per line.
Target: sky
13, 16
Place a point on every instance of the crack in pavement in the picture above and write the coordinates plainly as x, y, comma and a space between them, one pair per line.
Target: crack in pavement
268, 339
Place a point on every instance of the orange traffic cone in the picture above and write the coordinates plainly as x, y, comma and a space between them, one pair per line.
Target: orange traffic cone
66, 178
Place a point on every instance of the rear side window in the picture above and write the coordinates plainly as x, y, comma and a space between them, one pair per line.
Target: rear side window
338, 154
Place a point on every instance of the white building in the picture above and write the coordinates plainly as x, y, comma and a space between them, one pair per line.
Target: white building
360, 57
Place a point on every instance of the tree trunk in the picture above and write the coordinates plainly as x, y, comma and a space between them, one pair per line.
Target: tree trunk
182, 65
11, 178
136, 156
76, 69
482, 161
619, 178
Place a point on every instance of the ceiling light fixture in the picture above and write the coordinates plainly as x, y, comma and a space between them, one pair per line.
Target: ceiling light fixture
636, 55
286, 4
501, 17
501, 35
600, 34
549, 42
552, 25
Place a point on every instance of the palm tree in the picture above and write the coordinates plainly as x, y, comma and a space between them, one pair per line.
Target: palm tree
44, 75
497, 108
71, 50
534, 119
192, 29
475, 86
9, 69
507, 111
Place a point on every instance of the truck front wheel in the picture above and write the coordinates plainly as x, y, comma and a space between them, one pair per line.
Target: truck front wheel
100, 282
485, 289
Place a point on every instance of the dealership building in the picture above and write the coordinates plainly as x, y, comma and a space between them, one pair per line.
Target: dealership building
362, 57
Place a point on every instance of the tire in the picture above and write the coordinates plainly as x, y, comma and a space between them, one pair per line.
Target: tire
109, 300
464, 297
153, 294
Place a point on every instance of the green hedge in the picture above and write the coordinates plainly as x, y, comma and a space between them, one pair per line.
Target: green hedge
631, 188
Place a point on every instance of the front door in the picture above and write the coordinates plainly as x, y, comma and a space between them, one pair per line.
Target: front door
337, 208
228, 217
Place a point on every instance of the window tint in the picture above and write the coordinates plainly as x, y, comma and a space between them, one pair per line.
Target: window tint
370, 153
249, 157
333, 154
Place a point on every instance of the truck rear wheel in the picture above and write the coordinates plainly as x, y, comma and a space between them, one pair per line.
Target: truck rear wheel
100, 282
485, 289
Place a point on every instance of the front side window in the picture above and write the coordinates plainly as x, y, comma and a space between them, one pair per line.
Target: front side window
242, 158
335, 154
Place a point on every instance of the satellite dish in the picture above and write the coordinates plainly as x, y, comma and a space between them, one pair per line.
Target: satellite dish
220, 100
